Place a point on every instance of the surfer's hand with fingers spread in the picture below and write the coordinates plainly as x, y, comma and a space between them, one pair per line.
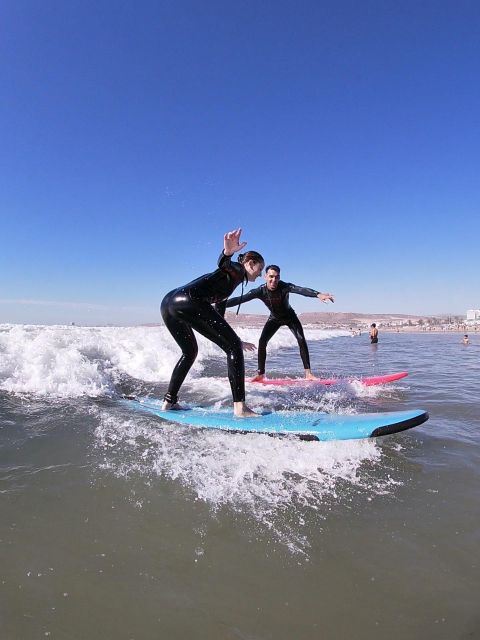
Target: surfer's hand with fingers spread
324, 297
231, 242
248, 346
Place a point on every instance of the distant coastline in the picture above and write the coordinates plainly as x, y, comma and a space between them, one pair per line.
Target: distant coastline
360, 322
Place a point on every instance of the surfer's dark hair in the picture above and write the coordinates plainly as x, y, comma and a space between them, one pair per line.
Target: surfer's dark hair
254, 256
273, 267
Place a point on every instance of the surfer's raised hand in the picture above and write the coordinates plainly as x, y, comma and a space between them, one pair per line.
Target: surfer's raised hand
231, 242
324, 297
248, 346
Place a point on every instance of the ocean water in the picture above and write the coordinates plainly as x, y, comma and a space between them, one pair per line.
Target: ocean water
115, 525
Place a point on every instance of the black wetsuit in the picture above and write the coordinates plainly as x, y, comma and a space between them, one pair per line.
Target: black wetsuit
190, 307
281, 314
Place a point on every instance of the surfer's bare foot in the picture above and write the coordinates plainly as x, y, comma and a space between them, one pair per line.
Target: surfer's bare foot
169, 406
258, 378
240, 410
309, 375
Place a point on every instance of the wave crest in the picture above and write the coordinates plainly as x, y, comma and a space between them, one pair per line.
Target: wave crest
71, 361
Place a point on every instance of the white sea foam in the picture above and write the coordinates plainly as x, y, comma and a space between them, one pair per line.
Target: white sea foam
71, 361
261, 476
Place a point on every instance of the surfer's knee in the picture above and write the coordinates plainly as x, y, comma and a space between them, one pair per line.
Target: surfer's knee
233, 348
189, 354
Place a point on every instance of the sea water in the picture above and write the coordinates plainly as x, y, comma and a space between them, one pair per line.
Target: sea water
116, 525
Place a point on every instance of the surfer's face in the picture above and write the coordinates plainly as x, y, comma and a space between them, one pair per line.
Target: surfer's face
253, 270
272, 278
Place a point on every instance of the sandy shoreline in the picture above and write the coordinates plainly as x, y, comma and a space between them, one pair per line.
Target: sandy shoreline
359, 323
387, 323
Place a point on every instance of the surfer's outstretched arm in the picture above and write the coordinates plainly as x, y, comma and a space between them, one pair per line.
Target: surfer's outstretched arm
250, 295
310, 293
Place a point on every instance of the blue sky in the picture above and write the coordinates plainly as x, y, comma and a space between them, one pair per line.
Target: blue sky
342, 136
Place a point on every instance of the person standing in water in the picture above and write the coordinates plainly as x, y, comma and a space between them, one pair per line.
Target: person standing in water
465, 339
275, 295
190, 307
373, 333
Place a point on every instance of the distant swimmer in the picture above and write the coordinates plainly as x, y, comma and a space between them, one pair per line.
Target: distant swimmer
465, 339
373, 333
275, 295
190, 307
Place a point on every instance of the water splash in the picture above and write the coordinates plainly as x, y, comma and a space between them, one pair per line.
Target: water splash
274, 481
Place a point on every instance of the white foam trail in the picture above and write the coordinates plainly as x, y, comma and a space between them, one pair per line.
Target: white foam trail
255, 474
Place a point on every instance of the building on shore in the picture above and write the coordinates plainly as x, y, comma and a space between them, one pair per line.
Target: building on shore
473, 316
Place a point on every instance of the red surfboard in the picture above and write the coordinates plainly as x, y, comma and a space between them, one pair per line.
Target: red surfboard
368, 382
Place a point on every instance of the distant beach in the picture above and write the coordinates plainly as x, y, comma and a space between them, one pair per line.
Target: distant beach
360, 322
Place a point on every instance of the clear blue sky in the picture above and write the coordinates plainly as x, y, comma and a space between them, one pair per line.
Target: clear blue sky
342, 136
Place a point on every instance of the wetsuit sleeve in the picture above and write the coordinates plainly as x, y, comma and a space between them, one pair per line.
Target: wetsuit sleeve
302, 291
224, 262
232, 267
233, 302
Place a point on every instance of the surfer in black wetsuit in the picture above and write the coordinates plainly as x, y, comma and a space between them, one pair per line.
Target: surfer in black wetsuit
190, 307
275, 294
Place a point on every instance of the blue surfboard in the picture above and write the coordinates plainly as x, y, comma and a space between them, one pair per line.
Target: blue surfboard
307, 425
